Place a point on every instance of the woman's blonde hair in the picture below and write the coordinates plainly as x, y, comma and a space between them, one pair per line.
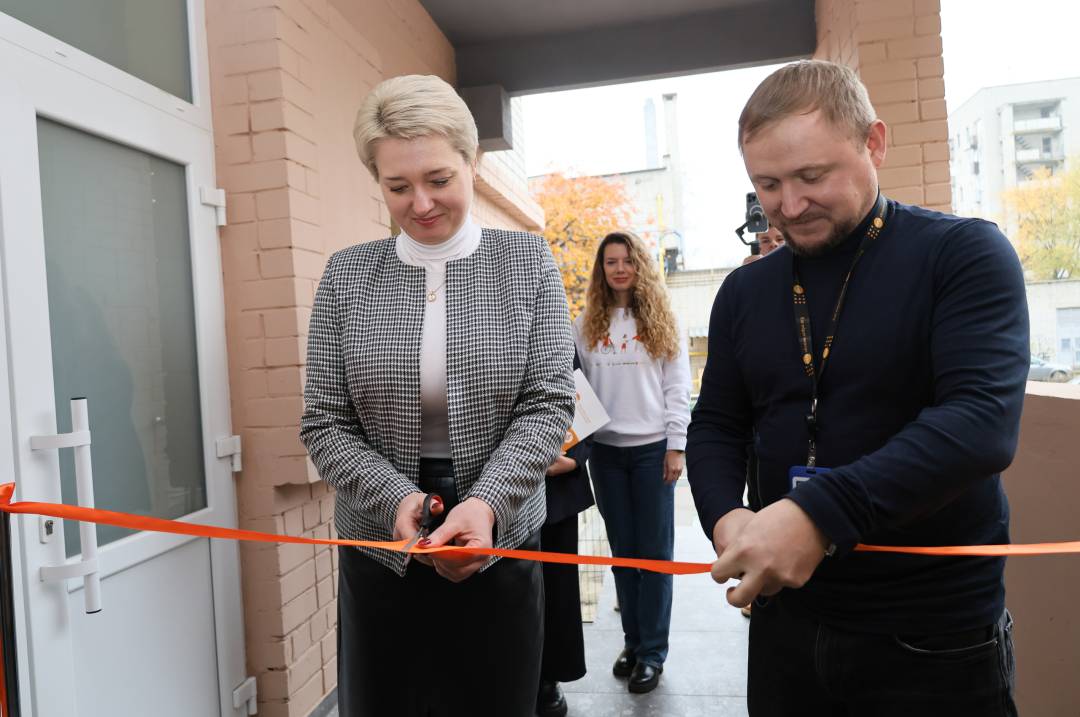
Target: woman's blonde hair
649, 302
414, 106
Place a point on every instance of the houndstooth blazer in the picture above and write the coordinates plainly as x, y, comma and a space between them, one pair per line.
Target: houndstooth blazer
510, 389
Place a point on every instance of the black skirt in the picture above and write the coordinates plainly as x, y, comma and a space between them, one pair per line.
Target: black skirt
422, 646
564, 639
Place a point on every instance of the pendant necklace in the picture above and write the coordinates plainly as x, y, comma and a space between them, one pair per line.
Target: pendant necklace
433, 294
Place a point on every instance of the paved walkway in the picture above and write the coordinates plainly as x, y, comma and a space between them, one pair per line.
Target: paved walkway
705, 674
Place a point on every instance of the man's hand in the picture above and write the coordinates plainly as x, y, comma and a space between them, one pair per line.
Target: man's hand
728, 528
674, 462
778, 547
562, 464
469, 525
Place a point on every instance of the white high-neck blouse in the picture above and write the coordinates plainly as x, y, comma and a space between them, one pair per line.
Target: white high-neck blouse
434, 416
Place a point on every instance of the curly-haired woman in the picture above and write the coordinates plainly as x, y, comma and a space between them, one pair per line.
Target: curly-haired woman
636, 361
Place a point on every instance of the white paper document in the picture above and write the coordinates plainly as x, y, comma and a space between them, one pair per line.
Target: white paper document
589, 415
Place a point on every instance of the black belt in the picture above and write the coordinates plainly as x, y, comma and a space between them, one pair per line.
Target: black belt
437, 476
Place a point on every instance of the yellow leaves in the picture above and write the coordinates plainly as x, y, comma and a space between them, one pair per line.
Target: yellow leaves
1044, 220
578, 213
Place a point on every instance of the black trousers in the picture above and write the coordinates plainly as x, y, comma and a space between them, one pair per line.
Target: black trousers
564, 639
422, 646
799, 666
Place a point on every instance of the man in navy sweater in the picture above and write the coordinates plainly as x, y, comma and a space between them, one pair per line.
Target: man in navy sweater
877, 365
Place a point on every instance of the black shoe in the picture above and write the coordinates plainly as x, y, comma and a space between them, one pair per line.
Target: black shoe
550, 701
644, 678
624, 664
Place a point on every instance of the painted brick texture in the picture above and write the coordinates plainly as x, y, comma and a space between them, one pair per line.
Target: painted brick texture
286, 79
895, 45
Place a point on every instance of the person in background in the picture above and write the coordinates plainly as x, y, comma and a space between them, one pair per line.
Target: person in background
411, 391
568, 494
636, 360
768, 241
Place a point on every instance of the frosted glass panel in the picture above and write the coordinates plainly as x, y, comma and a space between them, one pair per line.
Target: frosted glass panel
122, 320
146, 38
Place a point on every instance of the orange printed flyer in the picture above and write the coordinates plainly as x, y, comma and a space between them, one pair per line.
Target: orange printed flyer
589, 415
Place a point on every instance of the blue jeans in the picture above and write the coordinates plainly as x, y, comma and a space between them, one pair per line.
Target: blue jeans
799, 666
639, 512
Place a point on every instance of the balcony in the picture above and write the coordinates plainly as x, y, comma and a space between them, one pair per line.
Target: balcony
1037, 155
1037, 124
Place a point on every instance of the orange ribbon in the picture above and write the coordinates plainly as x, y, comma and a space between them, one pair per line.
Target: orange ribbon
1068, 546
671, 567
160, 525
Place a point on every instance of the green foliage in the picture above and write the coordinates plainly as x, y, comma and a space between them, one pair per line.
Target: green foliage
1046, 214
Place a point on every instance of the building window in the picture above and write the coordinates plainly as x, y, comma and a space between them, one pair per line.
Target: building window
148, 38
1047, 145
1066, 344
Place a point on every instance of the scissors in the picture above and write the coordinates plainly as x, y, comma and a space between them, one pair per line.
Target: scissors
433, 508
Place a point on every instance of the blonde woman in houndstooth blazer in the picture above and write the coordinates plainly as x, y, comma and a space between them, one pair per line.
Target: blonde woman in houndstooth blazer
439, 361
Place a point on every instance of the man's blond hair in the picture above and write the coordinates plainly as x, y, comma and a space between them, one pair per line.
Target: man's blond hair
801, 88
412, 106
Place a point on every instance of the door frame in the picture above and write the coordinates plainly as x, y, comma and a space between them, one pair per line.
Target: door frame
68, 86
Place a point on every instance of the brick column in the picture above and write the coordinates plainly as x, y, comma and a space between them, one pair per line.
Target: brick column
286, 79
895, 45
273, 255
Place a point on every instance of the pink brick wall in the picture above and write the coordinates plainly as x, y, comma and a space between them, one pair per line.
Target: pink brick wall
286, 78
895, 45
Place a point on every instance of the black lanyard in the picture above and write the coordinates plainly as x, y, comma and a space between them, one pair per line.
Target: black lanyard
802, 325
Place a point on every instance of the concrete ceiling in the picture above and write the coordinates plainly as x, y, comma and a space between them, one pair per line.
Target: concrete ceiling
528, 46
468, 22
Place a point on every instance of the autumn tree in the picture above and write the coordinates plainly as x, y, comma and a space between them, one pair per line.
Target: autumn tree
579, 212
1044, 219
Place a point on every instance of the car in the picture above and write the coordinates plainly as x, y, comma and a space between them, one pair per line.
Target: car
1075, 380
1041, 370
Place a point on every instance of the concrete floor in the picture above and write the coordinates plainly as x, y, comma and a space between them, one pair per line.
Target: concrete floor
705, 675
705, 672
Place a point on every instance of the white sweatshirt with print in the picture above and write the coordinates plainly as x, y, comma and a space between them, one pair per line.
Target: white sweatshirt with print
647, 399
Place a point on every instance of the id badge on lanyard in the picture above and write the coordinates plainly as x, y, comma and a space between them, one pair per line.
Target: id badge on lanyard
801, 474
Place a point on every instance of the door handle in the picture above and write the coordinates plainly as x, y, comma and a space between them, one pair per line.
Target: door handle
79, 441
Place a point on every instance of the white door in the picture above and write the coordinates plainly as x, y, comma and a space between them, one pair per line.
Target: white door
111, 285
1068, 331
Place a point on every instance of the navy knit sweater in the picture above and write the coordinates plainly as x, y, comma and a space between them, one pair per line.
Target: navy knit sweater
919, 413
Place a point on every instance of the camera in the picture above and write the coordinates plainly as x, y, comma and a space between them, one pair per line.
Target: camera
756, 222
